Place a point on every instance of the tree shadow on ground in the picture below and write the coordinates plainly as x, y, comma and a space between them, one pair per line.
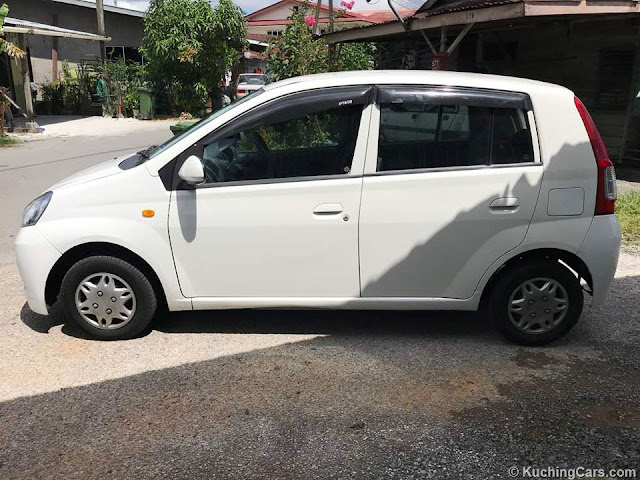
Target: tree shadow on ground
369, 400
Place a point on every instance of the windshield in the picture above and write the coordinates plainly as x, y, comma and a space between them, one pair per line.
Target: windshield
252, 79
153, 151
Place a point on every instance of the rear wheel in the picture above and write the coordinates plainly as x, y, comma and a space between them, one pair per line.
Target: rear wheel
535, 304
108, 298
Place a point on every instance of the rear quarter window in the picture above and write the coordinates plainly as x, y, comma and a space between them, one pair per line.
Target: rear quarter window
423, 131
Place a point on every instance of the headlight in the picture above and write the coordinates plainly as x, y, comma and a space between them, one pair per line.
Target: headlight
35, 209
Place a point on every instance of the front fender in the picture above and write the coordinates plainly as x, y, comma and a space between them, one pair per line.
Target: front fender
156, 251
109, 210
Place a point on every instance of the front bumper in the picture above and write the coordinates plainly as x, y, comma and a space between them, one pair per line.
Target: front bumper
36, 257
600, 251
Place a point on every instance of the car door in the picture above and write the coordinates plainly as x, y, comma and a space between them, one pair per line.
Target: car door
277, 215
439, 209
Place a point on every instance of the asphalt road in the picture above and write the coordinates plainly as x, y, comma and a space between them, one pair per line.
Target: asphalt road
28, 170
302, 394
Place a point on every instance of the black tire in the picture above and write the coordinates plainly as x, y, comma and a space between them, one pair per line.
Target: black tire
516, 276
144, 294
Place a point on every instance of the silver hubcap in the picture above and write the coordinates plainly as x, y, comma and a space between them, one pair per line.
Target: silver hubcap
538, 305
105, 301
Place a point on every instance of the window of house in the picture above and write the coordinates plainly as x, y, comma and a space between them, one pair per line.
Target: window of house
420, 131
286, 145
115, 52
130, 54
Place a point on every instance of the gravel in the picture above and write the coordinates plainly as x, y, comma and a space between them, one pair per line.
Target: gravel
300, 394
312, 394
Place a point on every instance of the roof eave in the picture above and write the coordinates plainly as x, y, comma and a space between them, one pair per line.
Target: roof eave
16, 25
525, 8
500, 12
107, 8
52, 33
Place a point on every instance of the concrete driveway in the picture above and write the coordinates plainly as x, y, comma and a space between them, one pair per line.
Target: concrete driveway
302, 394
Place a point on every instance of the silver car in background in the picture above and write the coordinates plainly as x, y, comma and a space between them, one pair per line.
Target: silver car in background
248, 83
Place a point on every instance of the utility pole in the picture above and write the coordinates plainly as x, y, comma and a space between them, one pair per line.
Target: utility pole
316, 26
330, 16
101, 30
331, 45
54, 53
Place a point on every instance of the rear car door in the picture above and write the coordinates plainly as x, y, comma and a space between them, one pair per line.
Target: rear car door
442, 203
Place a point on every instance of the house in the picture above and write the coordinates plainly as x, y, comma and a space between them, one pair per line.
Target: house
589, 46
46, 53
271, 20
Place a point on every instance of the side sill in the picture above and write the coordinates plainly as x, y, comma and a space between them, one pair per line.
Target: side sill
338, 303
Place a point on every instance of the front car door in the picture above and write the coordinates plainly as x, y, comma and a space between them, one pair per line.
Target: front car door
442, 203
278, 213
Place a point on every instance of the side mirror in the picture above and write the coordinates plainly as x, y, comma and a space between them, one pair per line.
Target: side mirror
192, 170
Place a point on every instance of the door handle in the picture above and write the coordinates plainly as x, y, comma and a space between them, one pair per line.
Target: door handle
505, 205
328, 209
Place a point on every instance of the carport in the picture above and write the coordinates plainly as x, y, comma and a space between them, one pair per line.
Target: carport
18, 72
590, 46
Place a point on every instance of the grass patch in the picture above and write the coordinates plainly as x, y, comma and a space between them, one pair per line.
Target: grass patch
8, 141
628, 210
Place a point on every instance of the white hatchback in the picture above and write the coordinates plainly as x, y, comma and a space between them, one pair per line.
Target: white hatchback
358, 190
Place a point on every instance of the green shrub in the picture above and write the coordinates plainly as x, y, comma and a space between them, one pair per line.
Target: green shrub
628, 211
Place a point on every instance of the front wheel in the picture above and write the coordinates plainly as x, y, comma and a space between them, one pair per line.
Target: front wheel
108, 298
535, 304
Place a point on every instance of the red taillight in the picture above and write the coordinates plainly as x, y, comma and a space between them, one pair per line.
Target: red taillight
241, 91
606, 193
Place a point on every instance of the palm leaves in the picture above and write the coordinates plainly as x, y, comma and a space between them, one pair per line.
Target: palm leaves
11, 49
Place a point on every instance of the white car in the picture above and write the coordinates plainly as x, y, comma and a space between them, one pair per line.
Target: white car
248, 83
413, 190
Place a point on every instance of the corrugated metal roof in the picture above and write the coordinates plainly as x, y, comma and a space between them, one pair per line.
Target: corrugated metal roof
16, 25
445, 6
382, 16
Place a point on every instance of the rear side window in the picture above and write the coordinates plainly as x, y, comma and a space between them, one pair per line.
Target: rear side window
425, 129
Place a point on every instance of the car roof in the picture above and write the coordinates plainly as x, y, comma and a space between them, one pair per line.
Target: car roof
413, 77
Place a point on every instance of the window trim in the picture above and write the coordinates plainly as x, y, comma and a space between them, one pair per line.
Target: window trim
479, 97
269, 181
173, 182
491, 98
456, 168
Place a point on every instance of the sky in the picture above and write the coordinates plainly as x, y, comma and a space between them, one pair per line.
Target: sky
250, 6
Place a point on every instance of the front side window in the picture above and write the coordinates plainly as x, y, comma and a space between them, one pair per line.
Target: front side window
419, 131
285, 143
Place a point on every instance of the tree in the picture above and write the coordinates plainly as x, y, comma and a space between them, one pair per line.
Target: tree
11, 49
188, 46
296, 52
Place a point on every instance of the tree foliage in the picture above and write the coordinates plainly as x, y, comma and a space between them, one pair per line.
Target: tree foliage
354, 56
188, 46
296, 52
7, 47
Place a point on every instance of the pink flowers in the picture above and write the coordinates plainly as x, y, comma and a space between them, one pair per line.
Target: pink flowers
310, 20
347, 5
